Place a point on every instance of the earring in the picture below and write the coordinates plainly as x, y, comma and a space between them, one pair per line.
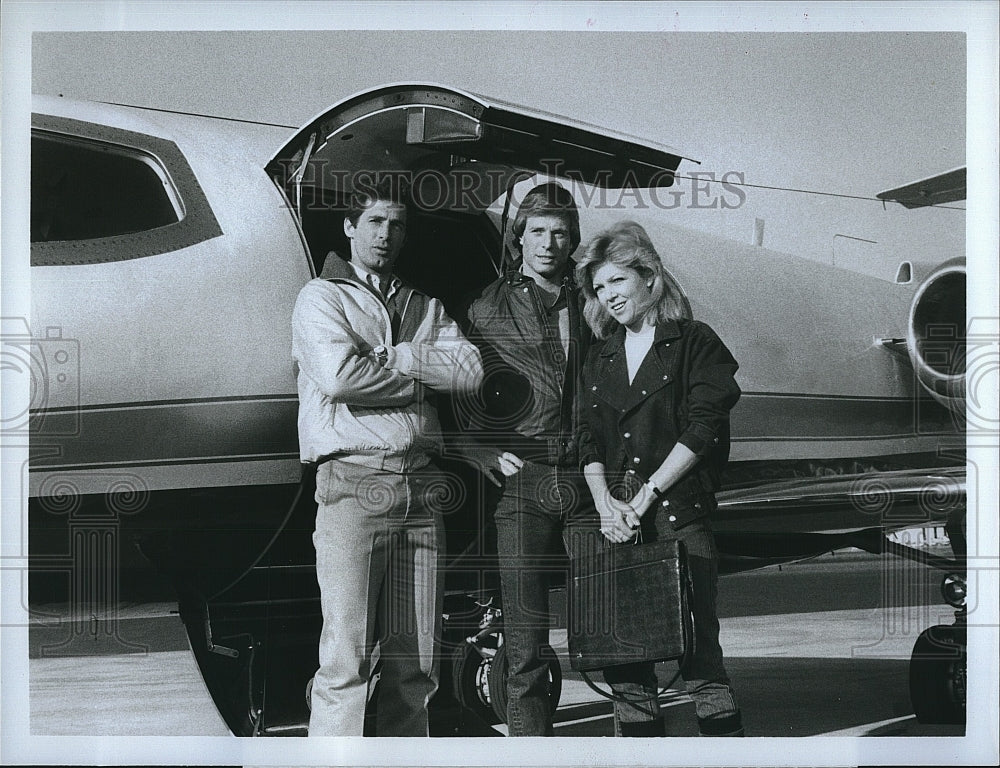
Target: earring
649, 285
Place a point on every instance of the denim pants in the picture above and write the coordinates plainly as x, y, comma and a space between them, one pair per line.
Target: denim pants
530, 519
379, 556
704, 674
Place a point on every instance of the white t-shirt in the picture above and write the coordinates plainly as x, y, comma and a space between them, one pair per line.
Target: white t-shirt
637, 346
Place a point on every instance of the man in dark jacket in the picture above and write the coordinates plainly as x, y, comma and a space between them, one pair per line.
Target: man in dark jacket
529, 327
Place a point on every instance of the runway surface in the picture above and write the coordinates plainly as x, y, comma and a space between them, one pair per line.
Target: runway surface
816, 648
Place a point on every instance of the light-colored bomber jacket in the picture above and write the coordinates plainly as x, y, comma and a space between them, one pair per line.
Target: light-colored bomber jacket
356, 409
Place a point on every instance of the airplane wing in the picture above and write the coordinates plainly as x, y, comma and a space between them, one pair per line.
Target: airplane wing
794, 519
836, 504
935, 190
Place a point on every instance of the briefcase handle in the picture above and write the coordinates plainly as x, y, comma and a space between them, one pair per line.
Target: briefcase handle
608, 544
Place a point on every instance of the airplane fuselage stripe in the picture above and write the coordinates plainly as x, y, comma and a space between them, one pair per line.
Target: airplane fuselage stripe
259, 427
187, 432
168, 462
158, 403
770, 416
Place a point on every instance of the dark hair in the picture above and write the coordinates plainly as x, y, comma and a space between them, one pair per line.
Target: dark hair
627, 245
549, 199
390, 188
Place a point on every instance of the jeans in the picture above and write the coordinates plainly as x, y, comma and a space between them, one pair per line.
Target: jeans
704, 673
530, 517
379, 556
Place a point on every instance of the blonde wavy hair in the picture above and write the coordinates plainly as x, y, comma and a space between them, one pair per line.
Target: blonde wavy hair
627, 244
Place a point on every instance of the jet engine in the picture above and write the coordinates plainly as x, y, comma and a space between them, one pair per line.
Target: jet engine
936, 334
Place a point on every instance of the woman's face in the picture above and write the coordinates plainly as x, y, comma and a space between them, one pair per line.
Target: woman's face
624, 293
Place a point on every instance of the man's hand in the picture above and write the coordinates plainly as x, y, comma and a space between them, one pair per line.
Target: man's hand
493, 463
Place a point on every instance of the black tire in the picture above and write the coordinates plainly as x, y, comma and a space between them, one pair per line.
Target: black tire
498, 680
471, 683
938, 675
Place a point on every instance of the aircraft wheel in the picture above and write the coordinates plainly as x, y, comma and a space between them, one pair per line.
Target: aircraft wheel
498, 680
471, 682
938, 675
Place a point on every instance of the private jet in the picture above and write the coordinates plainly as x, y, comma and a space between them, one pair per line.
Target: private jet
167, 250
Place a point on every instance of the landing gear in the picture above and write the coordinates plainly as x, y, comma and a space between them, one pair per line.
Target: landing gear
938, 675
471, 663
471, 682
938, 670
480, 668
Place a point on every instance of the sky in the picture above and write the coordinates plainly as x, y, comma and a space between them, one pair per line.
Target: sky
839, 112
851, 112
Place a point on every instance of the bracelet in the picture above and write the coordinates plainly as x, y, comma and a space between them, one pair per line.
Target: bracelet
653, 489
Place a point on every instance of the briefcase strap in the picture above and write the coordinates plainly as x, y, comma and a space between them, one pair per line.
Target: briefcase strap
615, 697
688, 647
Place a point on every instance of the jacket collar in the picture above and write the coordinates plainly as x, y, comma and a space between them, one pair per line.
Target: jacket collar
664, 332
514, 275
336, 268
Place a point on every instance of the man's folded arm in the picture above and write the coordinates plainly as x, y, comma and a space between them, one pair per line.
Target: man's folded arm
446, 362
338, 360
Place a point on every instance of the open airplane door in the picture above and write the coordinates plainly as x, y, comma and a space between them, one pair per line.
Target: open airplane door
256, 640
428, 129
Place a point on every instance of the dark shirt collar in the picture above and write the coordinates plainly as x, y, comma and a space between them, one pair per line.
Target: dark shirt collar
514, 275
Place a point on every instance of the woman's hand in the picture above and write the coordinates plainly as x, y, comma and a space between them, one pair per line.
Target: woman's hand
639, 505
614, 521
612, 512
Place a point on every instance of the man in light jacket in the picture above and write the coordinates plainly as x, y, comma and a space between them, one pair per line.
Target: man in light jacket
368, 349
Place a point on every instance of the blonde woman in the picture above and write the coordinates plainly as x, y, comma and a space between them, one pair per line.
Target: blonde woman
657, 394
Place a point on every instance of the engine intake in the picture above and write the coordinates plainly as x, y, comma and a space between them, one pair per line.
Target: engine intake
936, 334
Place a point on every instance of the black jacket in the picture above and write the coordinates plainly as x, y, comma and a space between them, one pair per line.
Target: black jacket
682, 392
528, 402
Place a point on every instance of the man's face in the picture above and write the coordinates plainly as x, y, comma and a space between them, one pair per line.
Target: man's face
546, 245
378, 236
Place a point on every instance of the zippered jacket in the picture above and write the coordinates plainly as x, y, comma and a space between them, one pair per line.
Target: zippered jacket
351, 406
529, 380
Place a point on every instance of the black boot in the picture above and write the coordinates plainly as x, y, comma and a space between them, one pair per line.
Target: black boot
644, 729
727, 725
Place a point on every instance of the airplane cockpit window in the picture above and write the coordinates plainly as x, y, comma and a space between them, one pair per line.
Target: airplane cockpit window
83, 190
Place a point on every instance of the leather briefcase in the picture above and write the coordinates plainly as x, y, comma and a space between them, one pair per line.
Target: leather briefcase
629, 604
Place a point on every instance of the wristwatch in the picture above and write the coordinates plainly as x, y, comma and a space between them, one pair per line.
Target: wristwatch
653, 489
381, 353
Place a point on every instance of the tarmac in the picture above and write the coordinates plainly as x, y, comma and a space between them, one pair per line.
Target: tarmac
802, 662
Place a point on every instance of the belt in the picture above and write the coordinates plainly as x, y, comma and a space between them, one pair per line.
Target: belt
553, 451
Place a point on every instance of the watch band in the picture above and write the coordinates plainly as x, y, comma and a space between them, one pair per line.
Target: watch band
653, 489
